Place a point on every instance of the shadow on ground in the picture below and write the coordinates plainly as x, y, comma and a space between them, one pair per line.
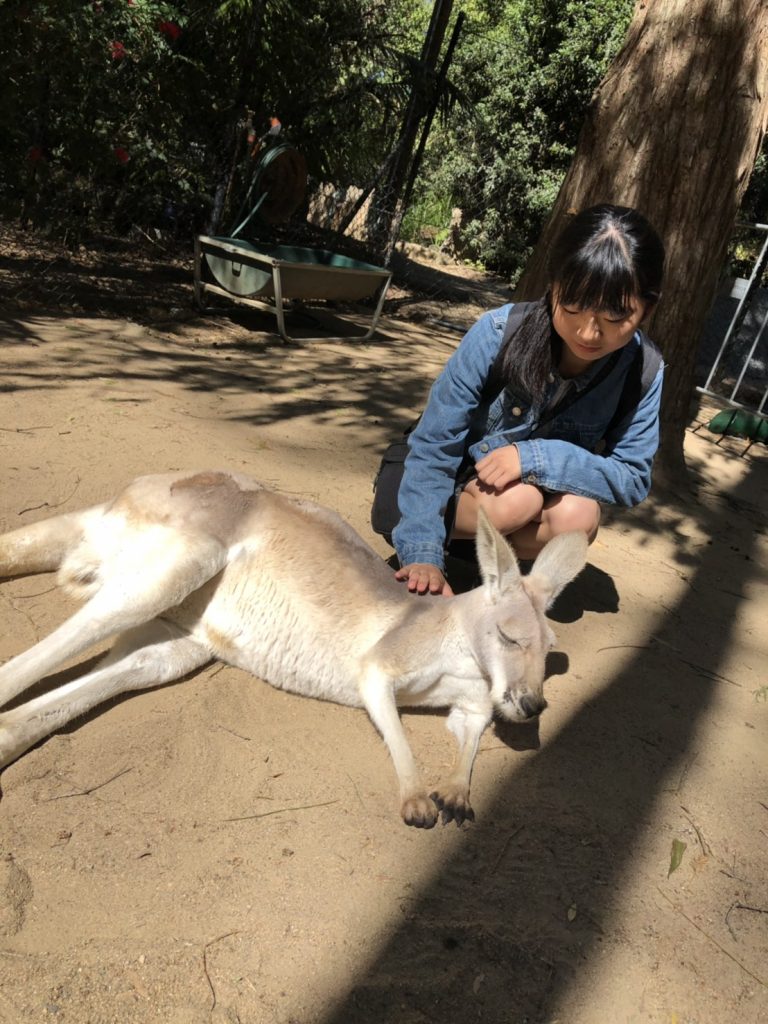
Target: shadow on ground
144, 280
491, 936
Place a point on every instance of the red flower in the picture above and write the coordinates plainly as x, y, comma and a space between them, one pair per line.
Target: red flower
35, 153
121, 154
118, 50
170, 30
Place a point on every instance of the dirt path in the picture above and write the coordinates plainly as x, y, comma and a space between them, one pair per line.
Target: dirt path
220, 851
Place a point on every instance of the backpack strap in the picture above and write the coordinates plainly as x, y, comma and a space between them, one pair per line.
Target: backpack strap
640, 376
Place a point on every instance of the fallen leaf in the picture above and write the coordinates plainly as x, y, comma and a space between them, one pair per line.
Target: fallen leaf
678, 849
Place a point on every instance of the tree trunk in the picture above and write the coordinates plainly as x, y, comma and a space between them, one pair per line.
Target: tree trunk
674, 130
233, 135
389, 213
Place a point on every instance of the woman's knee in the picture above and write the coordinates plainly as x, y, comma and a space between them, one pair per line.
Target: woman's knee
569, 512
511, 508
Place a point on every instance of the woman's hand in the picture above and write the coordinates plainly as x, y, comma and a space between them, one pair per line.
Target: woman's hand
423, 578
499, 469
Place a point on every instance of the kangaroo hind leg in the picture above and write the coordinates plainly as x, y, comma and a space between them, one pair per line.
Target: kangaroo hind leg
154, 570
155, 653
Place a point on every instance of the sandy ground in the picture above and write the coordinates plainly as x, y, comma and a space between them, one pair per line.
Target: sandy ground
216, 850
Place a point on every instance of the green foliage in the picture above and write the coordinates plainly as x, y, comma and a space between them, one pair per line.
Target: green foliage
529, 68
133, 111
96, 89
754, 207
746, 244
427, 220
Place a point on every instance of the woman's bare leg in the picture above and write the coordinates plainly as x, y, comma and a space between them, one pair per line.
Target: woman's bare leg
524, 515
560, 514
508, 510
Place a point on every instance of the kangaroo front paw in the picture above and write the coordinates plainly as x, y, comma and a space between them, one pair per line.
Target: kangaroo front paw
419, 811
454, 805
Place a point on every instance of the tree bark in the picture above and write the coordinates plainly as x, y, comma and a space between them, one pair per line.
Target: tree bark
674, 130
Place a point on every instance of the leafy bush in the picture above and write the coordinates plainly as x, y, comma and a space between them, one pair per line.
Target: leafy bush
124, 111
529, 68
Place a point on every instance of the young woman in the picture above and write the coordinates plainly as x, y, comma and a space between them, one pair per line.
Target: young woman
546, 450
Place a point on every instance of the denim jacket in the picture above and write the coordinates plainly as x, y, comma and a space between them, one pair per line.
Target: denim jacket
560, 457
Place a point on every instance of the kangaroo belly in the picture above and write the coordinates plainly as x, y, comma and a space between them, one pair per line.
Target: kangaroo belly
300, 603
298, 670
290, 638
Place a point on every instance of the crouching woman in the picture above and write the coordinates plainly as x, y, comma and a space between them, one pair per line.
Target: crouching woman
541, 415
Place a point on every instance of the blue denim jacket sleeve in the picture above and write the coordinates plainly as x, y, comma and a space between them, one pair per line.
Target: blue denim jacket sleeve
620, 476
438, 443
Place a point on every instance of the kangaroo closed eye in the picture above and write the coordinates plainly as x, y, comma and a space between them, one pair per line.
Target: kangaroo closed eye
508, 641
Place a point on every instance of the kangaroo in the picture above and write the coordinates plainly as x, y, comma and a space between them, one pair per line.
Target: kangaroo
184, 568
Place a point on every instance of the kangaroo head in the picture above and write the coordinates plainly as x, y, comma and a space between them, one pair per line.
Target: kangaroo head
511, 635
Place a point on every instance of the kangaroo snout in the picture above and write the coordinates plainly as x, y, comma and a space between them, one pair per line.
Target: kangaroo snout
531, 706
520, 707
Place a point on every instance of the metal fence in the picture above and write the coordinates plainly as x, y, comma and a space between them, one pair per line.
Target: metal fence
734, 352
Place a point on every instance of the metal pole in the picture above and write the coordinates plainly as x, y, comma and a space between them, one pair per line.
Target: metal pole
754, 280
439, 85
748, 360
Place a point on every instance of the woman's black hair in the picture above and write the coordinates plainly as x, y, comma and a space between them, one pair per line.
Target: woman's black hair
606, 256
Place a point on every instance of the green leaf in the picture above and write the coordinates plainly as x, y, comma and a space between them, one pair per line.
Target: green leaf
678, 849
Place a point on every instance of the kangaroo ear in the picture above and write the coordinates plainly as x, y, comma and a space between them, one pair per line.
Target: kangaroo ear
498, 564
560, 561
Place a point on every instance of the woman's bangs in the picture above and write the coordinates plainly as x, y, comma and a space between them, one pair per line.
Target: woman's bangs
604, 285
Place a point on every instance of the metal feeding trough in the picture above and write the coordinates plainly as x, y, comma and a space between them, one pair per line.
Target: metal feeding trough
255, 274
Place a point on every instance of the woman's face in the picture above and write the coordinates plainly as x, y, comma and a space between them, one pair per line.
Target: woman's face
589, 334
